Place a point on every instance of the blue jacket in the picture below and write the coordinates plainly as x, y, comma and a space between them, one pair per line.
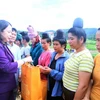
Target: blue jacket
57, 73
36, 52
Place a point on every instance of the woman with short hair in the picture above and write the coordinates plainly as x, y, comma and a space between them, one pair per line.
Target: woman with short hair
8, 67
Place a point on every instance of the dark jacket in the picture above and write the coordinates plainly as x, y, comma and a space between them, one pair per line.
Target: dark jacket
36, 52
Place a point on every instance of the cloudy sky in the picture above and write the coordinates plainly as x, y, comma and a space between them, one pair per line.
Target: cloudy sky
50, 14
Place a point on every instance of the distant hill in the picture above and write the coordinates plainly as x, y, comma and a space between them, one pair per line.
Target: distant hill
89, 31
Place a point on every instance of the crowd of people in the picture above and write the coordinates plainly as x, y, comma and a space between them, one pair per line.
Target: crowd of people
65, 76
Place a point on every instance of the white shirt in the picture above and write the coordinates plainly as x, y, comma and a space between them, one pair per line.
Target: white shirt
15, 51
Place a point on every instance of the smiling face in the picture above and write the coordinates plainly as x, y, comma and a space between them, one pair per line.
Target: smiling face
6, 34
13, 38
98, 40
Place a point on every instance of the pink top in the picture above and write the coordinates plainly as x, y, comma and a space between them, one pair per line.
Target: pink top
44, 60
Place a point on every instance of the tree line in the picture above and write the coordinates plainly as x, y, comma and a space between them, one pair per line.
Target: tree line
90, 32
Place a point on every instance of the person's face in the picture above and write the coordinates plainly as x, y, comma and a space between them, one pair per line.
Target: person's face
17, 42
73, 41
6, 34
13, 38
45, 44
98, 41
33, 40
24, 42
57, 46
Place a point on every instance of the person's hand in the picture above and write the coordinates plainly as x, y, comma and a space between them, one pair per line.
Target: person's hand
46, 70
28, 59
41, 68
85, 98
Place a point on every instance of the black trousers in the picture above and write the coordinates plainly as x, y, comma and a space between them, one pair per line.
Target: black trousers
68, 95
49, 97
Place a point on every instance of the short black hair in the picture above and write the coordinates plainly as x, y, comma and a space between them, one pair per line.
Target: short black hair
23, 33
3, 25
14, 29
26, 37
98, 29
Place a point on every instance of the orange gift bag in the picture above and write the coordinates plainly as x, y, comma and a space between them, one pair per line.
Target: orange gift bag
44, 89
31, 83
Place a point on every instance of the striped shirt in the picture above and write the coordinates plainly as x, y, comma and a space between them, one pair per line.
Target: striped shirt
81, 61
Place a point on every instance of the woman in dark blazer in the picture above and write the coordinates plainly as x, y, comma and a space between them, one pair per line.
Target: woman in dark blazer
8, 67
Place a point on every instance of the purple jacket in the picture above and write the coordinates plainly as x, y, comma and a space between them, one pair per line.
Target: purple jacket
8, 68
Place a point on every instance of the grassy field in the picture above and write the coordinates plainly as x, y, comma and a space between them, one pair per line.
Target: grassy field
91, 45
